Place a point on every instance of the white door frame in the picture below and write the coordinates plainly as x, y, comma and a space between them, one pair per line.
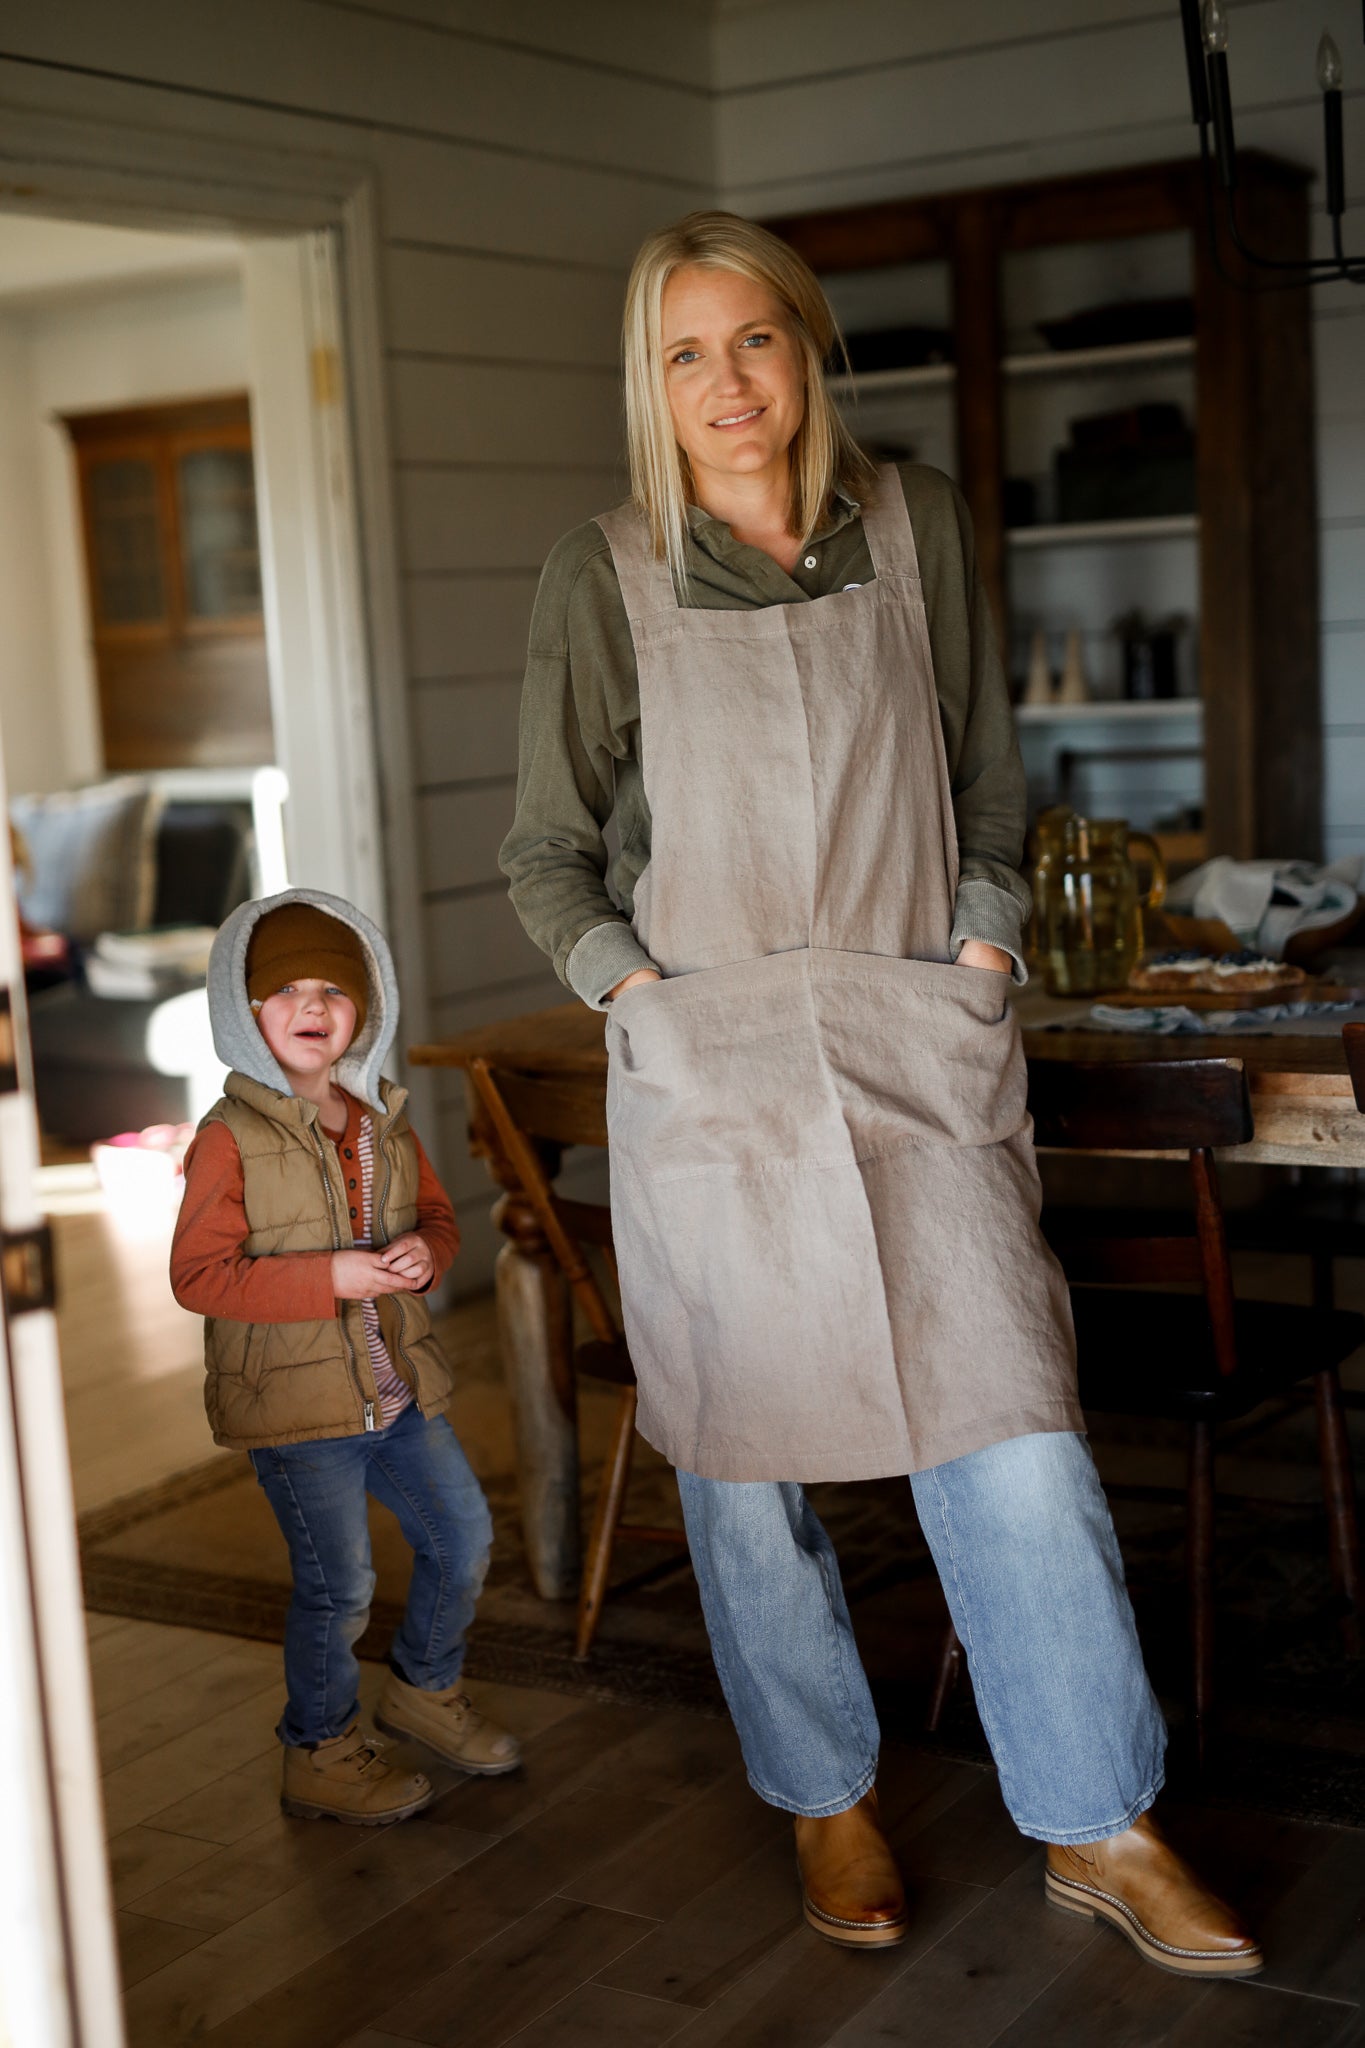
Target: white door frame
59, 1980
322, 210
334, 612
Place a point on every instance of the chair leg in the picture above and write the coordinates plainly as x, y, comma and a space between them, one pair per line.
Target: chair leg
1339, 1493
611, 1500
1199, 1566
949, 1670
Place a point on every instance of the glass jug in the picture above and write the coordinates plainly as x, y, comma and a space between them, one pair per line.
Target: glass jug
1087, 903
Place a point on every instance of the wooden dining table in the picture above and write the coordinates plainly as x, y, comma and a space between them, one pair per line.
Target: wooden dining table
1303, 1111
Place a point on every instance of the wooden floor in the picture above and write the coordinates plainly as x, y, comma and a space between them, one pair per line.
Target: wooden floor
626, 1888
132, 1358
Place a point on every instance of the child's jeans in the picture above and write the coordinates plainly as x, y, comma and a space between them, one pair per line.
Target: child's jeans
317, 1491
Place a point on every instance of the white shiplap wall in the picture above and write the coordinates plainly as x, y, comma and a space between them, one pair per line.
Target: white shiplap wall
520, 152
830, 102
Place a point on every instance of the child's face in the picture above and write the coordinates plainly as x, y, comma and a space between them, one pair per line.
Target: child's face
308, 1026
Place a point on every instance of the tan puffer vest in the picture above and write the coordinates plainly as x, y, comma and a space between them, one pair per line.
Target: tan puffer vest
283, 1383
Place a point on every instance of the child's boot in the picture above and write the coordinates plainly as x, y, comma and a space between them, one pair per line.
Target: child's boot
448, 1725
347, 1779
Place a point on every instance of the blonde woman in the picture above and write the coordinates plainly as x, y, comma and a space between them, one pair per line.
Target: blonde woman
775, 667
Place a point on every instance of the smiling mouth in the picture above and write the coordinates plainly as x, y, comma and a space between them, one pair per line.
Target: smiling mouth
741, 419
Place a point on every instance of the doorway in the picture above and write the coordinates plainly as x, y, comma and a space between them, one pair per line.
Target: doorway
328, 623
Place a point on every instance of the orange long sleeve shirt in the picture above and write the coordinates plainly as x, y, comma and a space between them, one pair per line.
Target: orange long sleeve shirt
211, 1275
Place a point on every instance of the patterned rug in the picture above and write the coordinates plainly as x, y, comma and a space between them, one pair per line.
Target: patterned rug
203, 1550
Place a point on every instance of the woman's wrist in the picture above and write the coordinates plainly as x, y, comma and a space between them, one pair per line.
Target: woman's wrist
978, 953
631, 981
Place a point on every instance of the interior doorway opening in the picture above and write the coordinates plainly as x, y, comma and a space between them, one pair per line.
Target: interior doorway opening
185, 712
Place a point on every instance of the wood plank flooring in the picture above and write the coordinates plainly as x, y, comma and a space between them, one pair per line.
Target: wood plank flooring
626, 1888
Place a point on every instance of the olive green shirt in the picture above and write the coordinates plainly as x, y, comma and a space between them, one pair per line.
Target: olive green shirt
581, 744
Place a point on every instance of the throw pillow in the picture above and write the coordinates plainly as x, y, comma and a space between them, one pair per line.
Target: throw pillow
91, 858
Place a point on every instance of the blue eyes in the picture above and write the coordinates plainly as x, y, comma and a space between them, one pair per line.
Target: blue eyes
693, 355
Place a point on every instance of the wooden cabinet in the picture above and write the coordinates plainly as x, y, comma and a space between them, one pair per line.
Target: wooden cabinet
1250, 539
168, 508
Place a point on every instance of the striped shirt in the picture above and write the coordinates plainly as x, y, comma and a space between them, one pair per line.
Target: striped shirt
358, 1139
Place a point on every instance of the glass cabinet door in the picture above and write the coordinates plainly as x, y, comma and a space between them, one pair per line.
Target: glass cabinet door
219, 549
127, 556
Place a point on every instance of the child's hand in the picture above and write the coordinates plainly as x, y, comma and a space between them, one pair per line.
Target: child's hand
410, 1256
361, 1276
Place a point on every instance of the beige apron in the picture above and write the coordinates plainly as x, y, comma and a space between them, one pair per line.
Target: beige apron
823, 1188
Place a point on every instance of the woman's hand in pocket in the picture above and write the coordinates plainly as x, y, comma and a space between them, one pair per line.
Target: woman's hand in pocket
976, 953
633, 981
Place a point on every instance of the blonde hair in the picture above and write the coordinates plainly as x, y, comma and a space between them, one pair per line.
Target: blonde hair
824, 455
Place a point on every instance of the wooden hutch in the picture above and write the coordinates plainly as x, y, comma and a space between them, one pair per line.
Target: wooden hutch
1252, 535
172, 554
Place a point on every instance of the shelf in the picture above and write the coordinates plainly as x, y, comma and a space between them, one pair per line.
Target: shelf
1112, 710
1085, 532
887, 383
1031, 366
1093, 362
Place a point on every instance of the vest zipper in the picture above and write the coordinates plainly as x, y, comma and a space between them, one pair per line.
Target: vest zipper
366, 1407
381, 1217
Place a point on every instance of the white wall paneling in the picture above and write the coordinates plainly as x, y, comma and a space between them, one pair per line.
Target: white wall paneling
473, 945
465, 730
500, 308
491, 516
495, 413
471, 625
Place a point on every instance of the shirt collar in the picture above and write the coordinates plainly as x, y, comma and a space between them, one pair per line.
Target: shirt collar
717, 535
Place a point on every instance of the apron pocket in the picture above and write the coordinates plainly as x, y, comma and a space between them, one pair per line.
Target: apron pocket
721, 1069
920, 1051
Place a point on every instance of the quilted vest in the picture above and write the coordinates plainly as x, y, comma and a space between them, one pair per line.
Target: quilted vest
283, 1383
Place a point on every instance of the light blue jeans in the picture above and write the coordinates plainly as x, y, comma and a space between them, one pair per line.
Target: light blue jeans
317, 1490
1025, 1548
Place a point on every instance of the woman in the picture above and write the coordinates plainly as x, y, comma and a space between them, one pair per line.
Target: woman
775, 666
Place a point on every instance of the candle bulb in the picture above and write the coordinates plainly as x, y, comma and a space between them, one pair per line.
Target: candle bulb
1216, 43
1329, 78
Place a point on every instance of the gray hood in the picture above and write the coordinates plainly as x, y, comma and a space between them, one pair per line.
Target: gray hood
236, 1035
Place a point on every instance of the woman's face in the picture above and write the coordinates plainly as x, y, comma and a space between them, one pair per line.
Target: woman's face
736, 380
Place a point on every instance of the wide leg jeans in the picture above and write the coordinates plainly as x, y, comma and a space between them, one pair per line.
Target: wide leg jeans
1025, 1548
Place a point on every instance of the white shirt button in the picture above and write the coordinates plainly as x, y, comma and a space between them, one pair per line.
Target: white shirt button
810, 561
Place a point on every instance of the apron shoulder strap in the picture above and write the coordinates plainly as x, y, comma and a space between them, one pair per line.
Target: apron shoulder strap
646, 585
886, 523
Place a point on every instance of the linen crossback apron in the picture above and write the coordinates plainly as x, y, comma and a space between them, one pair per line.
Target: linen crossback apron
824, 1196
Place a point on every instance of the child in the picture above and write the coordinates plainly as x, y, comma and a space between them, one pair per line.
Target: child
312, 1226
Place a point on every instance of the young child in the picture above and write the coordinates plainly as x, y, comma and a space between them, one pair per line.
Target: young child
312, 1225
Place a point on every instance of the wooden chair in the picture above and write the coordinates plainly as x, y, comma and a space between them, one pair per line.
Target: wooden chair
1198, 1357
521, 1109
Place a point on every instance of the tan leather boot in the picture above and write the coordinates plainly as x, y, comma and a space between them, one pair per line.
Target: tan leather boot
448, 1725
850, 1887
347, 1779
1137, 1882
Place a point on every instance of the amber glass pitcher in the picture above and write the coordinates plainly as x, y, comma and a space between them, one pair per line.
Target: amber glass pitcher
1087, 902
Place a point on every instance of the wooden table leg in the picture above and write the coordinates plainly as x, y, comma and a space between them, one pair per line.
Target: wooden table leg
535, 1328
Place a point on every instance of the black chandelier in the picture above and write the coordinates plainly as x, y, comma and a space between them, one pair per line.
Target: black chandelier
1206, 55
